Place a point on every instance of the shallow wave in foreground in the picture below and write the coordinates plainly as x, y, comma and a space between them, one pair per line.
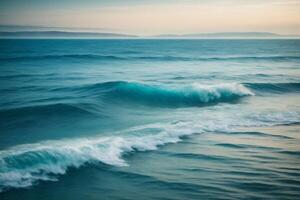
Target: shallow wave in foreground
23, 165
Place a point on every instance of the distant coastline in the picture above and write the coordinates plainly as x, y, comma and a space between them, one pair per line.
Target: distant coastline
61, 34
228, 35
105, 35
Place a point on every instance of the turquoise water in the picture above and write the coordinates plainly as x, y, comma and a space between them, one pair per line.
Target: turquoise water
149, 119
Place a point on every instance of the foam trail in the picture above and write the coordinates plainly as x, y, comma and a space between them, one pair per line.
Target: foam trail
273, 119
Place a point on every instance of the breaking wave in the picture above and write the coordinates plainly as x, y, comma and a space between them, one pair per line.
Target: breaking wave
162, 96
24, 165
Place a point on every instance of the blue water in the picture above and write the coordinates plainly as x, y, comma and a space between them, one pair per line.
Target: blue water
149, 119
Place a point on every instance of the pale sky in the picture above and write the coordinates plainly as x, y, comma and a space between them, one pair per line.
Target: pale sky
145, 17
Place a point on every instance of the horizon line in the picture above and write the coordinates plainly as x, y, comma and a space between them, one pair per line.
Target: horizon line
94, 34
35, 28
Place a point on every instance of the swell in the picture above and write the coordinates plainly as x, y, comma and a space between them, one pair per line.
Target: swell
150, 58
167, 96
64, 56
274, 87
44, 112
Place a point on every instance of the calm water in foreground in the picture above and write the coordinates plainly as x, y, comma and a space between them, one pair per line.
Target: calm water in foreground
149, 119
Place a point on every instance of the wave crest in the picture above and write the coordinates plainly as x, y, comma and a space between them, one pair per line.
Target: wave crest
162, 96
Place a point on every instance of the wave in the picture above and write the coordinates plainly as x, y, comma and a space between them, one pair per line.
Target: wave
229, 58
260, 134
274, 87
163, 96
45, 111
185, 95
64, 56
23, 165
153, 95
150, 58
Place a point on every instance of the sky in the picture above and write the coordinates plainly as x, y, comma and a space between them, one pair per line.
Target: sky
148, 17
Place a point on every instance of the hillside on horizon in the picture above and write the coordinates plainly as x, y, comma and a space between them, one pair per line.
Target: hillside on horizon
44, 32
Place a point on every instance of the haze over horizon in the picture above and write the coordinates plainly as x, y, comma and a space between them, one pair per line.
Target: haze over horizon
154, 17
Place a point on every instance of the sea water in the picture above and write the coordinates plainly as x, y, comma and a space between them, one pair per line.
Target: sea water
149, 119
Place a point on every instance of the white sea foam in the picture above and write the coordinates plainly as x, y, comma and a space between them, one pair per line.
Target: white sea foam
212, 92
273, 118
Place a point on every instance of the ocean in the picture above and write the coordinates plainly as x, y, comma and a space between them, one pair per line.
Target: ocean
149, 119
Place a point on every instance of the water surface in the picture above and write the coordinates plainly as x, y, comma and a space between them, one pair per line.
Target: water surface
149, 119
